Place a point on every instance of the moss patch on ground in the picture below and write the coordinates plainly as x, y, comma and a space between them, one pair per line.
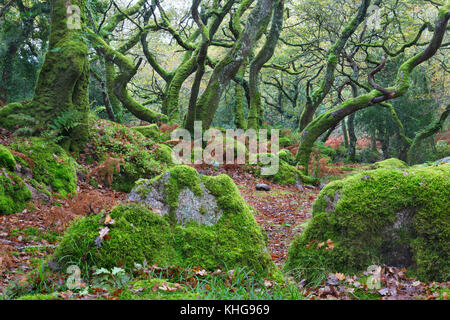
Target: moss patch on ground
378, 217
14, 195
145, 290
7, 159
143, 157
140, 234
50, 164
391, 163
151, 131
286, 173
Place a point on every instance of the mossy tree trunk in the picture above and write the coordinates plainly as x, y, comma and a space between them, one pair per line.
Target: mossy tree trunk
316, 98
229, 66
255, 116
239, 103
330, 118
345, 133
63, 81
352, 138
432, 129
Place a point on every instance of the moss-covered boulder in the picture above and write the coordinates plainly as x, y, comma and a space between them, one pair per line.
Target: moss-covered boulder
170, 230
14, 194
286, 156
143, 157
151, 131
392, 163
35, 170
286, 173
385, 216
51, 167
7, 159
285, 142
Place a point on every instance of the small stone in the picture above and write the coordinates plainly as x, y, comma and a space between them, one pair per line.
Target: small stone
262, 187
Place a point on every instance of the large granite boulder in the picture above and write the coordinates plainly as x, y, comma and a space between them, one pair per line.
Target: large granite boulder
385, 217
178, 218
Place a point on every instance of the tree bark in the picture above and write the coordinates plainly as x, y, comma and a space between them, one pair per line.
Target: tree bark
264, 55
63, 81
229, 66
328, 119
317, 97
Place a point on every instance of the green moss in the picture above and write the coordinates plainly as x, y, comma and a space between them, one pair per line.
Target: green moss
286, 156
372, 215
38, 296
152, 131
140, 234
51, 165
285, 142
14, 195
391, 163
164, 153
143, 290
8, 121
325, 150
286, 173
7, 159
143, 158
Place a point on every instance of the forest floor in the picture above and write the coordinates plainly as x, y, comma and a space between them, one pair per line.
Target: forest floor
27, 238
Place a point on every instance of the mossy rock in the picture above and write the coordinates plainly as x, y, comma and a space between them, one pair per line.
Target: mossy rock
7, 159
285, 142
154, 235
391, 217
286, 173
50, 165
14, 194
151, 131
392, 163
286, 156
9, 122
143, 157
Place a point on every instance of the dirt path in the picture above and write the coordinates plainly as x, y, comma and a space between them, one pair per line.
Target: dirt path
282, 211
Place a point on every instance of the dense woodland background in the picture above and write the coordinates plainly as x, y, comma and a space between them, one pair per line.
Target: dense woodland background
90, 91
150, 58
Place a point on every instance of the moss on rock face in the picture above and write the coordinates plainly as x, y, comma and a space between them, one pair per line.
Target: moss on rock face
286, 156
14, 195
391, 163
286, 173
285, 142
7, 159
140, 234
143, 157
152, 131
50, 166
391, 217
